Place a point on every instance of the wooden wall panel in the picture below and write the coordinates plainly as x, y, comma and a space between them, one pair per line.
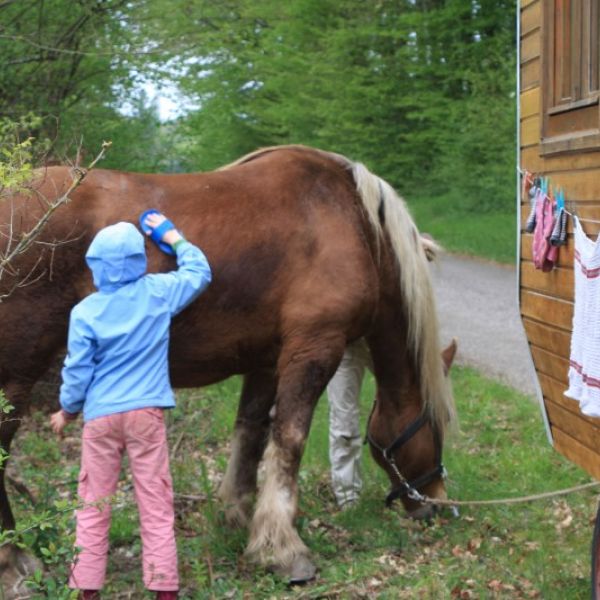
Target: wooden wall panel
579, 185
557, 283
530, 103
554, 392
530, 131
532, 161
580, 121
574, 425
554, 389
550, 364
530, 74
576, 452
531, 18
530, 46
543, 308
550, 338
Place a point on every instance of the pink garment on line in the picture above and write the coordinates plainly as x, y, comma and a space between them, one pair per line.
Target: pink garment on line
545, 255
142, 434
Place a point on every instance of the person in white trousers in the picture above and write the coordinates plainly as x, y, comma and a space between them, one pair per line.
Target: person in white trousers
345, 440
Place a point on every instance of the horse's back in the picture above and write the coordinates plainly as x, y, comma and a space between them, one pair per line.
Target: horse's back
283, 233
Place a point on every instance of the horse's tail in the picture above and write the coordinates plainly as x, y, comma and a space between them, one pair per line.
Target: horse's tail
389, 215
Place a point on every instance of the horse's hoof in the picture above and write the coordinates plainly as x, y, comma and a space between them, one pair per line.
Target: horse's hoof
16, 566
302, 571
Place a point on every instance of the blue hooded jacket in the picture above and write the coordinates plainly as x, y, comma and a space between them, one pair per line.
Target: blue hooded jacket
117, 357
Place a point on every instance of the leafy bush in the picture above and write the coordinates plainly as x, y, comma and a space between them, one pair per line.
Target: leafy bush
17, 153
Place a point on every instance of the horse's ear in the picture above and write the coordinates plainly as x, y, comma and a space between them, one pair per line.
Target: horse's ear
448, 355
430, 247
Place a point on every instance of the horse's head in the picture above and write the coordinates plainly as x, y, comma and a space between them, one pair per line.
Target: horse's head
406, 441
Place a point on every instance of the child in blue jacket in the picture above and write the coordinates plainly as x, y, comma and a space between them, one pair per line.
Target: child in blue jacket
116, 372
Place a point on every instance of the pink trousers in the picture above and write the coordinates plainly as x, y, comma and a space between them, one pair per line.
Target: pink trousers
142, 434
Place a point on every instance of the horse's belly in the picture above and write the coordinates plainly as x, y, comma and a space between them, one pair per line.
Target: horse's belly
196, 378
203, 359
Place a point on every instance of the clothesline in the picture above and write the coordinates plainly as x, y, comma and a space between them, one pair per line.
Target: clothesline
572, 213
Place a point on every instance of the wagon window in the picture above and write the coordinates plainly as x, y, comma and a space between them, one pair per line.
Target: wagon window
571, 119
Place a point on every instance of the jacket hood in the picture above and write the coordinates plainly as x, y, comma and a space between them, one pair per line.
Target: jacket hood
116, 256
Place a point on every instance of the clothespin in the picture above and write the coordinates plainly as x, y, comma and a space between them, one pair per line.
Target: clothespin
558, 237
535, 186
526, 183
560, 200
533, 196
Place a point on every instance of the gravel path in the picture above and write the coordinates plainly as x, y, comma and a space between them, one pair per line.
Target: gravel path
477, 304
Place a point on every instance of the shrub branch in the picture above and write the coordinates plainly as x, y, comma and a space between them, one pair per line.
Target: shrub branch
27, 239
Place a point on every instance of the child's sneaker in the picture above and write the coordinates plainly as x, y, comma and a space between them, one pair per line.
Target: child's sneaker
90, 595
163, 595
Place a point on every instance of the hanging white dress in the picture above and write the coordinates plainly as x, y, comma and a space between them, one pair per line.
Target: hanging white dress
584, 364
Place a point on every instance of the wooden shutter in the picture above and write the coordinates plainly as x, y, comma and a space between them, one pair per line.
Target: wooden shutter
571, 119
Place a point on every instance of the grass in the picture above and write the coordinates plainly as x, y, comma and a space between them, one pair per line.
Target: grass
536, 550
475, 233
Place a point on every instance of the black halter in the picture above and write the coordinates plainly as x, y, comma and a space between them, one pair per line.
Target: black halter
409, 488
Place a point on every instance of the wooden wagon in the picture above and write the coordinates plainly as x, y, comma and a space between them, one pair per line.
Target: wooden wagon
559, 137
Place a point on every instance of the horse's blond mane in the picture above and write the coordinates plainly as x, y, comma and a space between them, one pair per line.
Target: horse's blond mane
262, 151
411, 253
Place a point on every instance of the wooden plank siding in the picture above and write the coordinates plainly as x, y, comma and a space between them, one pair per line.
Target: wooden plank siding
531, 18
577, 452
546, 309
546, 299
542, 335
530, 45
530, 74
530, 103
560, 163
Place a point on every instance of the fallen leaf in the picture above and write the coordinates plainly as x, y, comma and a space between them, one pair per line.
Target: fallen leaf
532, 545
474, 544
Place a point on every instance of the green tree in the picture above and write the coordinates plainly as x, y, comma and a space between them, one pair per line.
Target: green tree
74, 64
421, 91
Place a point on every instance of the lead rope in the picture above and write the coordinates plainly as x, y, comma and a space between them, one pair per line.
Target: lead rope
517, 500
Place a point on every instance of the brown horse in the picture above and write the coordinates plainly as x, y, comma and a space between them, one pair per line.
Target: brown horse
309, 251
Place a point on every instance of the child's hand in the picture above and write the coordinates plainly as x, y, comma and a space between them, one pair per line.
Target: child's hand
154, 220
58, 422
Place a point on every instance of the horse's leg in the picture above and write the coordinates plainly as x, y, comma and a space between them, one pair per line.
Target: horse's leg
247, 446
17, 395
15, 564
306, 364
